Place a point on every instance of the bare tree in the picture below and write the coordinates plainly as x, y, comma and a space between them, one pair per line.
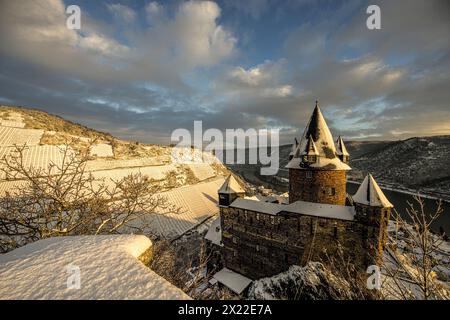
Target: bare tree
64, 199
413, 255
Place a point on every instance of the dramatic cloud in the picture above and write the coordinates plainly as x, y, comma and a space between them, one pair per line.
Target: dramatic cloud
140, 71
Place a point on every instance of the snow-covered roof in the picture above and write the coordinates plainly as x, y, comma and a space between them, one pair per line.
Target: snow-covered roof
294, 147
369, 193
310, 148
321, 210
231, 186
317, 140
300, 207
257, 206
235, 281
214, 233
341, 149
108, 268
320, 164
318, 129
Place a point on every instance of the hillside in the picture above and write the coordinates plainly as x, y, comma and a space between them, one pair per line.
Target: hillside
415, 164
190, 186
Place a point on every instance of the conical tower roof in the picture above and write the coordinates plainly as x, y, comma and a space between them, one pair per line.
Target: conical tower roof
318, 129
318, 134
294, 147
231, 186
310, 148
341, 149
369, 193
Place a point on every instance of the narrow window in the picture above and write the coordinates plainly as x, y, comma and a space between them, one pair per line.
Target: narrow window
257, 248
335, 230
331, 191
308, 174
235, 240
257, 216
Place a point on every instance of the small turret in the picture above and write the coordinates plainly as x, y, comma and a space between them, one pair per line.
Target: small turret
229, 191
370, 194
294, 149
373, 210
316, 173
310, 154
341, 151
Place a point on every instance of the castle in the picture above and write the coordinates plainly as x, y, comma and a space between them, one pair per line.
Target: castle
258, 238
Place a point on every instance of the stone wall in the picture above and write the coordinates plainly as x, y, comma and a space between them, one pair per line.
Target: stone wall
259, 245
321, 186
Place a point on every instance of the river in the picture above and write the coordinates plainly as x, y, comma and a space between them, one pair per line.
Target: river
400, 201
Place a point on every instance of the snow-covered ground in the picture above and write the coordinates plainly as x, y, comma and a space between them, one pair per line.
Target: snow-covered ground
101, 150
196, 202
399, 261
108, 268
10, 136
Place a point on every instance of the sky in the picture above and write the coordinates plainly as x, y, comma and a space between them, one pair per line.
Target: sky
140, 69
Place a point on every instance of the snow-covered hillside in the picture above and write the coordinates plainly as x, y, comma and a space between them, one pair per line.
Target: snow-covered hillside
108, 268
417, 163
190, 186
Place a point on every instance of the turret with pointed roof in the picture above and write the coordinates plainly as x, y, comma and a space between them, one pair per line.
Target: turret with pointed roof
293, 149
341, 151
370, 194
229, 191
373, 211
316, 172
317, 130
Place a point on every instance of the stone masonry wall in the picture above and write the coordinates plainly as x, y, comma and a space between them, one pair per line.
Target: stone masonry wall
321, 186
259, 245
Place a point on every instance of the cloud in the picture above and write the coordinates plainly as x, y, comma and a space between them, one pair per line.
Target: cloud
182, 62
122, 12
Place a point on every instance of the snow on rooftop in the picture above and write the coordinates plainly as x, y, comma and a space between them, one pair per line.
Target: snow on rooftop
322, 210
321, 164
235, 281
369, 193
214, 233
231, 186
300, 207
202, 171
317, 128
317, 140
341, 149
257, 206
108, 267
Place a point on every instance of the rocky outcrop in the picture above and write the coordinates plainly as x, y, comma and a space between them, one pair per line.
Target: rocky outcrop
311, 282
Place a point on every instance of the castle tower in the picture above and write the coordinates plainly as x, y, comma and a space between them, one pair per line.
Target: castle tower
316, 172
341, 151
229, 191
373, 209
